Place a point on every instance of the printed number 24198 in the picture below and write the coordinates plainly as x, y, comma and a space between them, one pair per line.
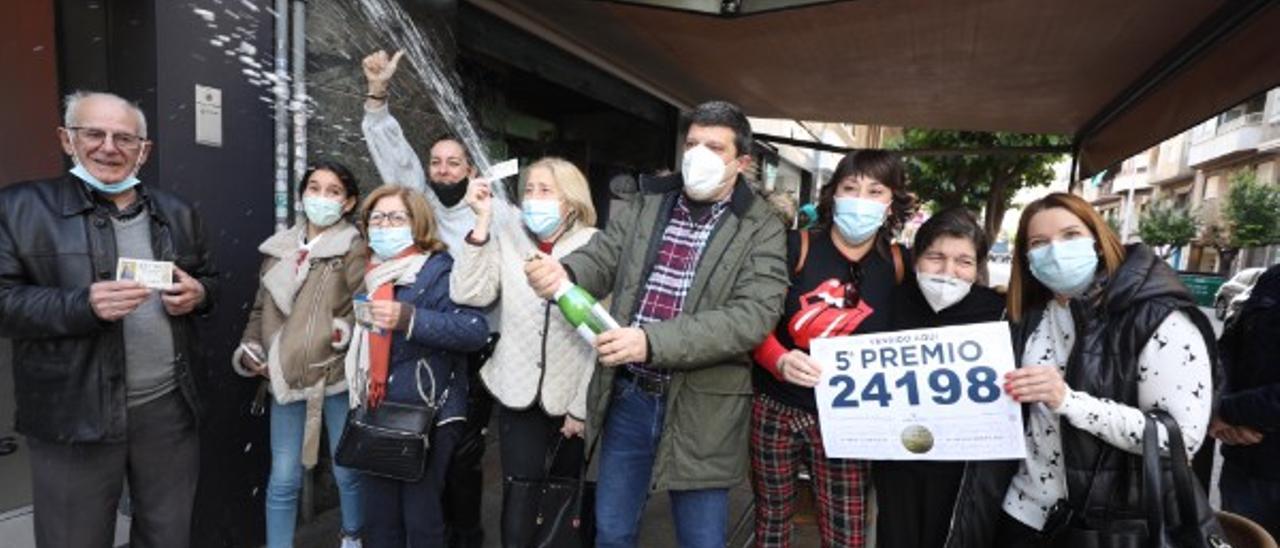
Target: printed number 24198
945, 385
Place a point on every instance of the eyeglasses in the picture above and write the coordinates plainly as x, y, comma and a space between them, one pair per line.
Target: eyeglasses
391, 218
852, 293
94, 137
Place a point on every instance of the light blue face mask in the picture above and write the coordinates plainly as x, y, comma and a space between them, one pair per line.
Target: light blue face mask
1066, 267
542, 217
105, 188
386, 243
858, 219
322, 212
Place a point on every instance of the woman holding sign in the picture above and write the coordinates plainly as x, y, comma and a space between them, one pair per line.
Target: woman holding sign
540, 369
1104, 332
845, 273
298, 331
916, 498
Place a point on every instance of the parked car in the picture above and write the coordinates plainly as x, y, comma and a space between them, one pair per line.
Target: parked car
1235, 286
1000, 252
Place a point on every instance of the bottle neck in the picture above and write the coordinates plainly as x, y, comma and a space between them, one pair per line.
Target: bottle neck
564, 288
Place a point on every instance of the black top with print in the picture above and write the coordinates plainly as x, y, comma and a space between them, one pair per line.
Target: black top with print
816, 304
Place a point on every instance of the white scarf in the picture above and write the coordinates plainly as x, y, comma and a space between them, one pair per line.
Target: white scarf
401, 272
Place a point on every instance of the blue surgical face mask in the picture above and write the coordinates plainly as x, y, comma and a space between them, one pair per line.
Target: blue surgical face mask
105, 188
1066, 267
858, 219
542, 217
388, 242
321, 212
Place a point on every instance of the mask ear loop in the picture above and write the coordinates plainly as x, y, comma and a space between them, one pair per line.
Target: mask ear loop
569, 219
137, 164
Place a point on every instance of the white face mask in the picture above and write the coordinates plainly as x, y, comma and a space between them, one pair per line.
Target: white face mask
703, 171
942, 291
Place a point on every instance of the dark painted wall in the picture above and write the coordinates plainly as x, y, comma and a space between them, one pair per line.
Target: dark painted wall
29, 102
28, 150
232, 186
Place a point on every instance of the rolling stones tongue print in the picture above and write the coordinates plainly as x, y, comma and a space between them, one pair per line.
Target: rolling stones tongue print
832, 309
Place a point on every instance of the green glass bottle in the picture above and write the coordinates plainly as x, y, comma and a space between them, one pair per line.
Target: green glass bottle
582, 311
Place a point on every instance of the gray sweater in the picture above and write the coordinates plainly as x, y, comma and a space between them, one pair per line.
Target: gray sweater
148, 338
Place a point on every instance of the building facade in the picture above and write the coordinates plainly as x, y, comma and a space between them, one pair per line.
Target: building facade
1193, 171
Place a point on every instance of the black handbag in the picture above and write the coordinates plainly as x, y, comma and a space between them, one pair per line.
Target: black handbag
549, 512
1177, 512
392, 439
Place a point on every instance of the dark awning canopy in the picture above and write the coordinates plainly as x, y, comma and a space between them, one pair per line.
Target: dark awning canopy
1118, 76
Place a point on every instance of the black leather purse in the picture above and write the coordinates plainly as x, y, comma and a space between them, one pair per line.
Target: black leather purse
1177, 512
392, 439
554, 512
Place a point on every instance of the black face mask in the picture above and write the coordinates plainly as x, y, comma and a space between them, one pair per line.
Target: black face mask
450, 195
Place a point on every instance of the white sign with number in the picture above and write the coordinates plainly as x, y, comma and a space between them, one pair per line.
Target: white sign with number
923, 394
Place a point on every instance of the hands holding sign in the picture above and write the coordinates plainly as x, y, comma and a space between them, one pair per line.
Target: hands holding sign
1036, 383
797, 367
932, 394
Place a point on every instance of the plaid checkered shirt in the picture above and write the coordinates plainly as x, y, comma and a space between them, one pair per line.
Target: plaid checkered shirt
683, 240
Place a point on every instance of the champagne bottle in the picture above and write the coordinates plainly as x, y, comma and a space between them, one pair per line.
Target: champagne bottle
582, 311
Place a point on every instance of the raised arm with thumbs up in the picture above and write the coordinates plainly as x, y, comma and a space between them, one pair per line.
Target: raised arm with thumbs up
378, 70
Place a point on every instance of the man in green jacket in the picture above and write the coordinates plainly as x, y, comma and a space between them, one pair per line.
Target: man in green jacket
696, 266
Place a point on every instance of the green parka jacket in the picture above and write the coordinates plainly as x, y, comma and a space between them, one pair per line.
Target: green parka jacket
735, 300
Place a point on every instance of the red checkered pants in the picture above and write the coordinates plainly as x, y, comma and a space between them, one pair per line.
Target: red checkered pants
783, 438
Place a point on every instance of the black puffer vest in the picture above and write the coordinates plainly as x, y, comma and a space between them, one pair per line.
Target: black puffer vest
1113, 322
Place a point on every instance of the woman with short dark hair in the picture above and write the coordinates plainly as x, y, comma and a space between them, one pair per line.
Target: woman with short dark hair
844, 274
916, 498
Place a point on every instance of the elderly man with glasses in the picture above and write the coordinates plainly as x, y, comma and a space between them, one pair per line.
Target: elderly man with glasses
104, 367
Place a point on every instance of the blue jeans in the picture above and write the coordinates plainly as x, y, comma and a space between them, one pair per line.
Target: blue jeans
631, 434
1255, 498
287, 422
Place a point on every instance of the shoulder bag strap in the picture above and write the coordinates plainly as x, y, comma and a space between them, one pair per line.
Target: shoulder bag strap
1152, 490
1184, 483
582, 480
804, 252
898, 269
550, 457
430, 401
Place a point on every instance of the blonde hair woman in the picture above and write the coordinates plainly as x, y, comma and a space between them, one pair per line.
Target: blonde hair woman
540, 368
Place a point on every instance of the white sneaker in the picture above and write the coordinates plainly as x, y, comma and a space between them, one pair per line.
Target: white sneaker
350, 542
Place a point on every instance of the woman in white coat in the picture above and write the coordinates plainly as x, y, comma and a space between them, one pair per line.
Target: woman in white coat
541, 367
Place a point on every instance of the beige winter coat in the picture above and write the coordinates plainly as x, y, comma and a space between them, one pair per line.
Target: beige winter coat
539, 359
301, 318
